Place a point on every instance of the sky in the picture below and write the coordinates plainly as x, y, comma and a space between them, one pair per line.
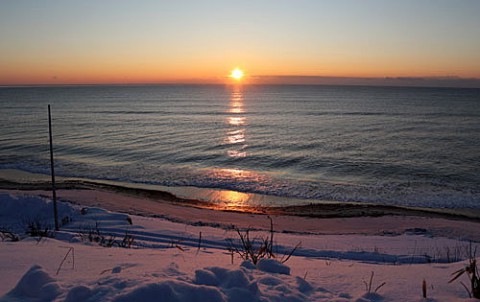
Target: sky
118, 41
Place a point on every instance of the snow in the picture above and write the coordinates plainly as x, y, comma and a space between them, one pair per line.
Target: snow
36, 283
168, 262
273, 266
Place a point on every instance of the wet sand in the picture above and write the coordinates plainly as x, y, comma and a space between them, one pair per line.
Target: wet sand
316, 218
386, 224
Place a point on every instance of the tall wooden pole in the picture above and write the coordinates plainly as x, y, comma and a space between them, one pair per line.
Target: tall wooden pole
54, 193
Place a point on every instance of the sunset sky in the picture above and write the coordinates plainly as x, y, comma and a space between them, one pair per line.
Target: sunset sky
65, 42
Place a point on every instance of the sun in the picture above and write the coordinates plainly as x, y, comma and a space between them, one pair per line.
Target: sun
237, 74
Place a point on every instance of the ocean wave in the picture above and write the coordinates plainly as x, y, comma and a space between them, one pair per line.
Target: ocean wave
397, 146
411, 193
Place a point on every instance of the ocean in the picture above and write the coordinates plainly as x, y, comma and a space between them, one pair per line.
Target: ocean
402, 146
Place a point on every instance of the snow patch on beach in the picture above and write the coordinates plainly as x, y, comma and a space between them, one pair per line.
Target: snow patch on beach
18, 210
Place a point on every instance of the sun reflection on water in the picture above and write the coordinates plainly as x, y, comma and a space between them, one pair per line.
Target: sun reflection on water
233, 200
236, 101
236, 135
236, 121
235, 173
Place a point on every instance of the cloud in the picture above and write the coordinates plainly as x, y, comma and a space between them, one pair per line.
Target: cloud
447, 81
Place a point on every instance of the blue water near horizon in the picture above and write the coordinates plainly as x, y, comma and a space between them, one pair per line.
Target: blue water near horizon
385, 145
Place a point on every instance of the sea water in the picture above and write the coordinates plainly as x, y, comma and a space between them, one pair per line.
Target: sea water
384, 145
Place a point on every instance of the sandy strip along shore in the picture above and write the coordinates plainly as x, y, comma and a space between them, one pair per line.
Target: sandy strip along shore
329, 218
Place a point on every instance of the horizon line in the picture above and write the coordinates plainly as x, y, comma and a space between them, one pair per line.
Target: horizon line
396, 81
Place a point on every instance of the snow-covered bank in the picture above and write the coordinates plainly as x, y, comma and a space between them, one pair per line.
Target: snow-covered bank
165, 262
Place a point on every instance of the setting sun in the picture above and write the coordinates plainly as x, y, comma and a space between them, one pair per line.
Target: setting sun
237, 74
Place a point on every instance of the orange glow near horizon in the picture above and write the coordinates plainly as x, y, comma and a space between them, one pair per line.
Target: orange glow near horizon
135, 72
205, 69
268, 43
268, 68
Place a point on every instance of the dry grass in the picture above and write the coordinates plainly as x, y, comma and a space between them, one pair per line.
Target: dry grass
7, 235
368, 286
472, 271
256, 248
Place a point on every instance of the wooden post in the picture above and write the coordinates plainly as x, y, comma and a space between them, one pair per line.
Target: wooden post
54, 193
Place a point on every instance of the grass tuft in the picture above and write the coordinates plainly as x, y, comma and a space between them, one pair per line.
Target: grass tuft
256, 248
368, 286
472, 271
7, 235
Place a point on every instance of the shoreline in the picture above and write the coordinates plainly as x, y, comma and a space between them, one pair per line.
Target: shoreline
326, 218
225, 200
385, 225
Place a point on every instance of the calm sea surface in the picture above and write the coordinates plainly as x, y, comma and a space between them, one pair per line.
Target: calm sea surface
399, 146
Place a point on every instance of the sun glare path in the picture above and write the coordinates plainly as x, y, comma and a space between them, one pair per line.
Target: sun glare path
237, 74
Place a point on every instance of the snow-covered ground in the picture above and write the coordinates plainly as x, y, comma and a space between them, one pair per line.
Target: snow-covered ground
171, 261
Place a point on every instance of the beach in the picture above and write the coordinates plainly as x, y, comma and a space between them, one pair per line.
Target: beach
366, 220
318, 218
178, 245
182, 247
